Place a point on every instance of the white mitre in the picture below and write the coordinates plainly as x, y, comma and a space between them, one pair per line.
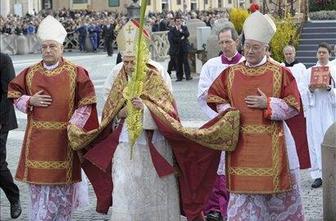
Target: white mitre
127, 36
51, 29
259, 27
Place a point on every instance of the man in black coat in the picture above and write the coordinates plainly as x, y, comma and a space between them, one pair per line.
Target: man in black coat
109, 37
7, 123
179, 48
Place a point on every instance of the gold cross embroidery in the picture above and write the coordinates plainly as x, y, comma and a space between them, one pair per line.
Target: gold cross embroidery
129, 41
129, 29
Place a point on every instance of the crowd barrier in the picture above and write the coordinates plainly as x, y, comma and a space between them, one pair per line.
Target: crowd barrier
28, 44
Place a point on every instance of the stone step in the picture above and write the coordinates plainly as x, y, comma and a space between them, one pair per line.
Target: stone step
306, 53
307, 47
320, 24
317, 41
320, 29
318, 35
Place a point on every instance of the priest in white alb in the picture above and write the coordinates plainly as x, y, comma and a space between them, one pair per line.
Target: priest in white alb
228, 41
321, 108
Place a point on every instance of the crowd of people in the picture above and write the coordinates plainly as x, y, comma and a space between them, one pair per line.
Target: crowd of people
265, 124
82, 24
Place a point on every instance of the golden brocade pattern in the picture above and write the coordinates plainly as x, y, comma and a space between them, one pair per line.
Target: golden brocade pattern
14, 94
247, 171
292, 101
229, 84
70, 154
155, 89
87, 101
25, 175
47, 164
277, 81
216, 99
223, 135
50, 125
72, 73
257, 129
78, 138
276, 158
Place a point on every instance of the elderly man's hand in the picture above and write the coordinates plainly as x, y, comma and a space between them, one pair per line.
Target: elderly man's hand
123, 113
137, 103
40, 100
259, 102
311, 88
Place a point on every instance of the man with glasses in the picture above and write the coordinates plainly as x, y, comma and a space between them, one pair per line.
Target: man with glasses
53, 93
228, 42
263, 170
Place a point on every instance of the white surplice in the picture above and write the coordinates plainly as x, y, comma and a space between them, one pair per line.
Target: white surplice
299, 72
210, 71
321, 113
138, 192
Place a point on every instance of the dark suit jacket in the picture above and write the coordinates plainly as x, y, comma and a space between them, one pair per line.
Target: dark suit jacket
177, 44
7, 113
108, 33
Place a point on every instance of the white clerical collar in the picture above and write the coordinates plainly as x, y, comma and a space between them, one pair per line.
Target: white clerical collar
230, 58
50, 67
263, 61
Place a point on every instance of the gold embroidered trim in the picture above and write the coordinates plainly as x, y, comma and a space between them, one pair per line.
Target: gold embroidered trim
257, 129
27, 139
14, 94
246, 171
216, 100
221, 136
292, 101
47, 164
51, 125
277, 81
87, 101
230, 83
276, 157
69, 166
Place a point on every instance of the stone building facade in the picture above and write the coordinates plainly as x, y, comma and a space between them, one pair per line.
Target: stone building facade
24, 6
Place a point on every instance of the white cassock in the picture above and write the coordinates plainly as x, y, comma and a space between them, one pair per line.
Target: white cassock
138, 192
210, 71
321, 113
299, 72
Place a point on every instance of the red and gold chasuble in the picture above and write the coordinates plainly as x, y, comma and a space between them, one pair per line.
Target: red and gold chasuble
259, 164
46, 157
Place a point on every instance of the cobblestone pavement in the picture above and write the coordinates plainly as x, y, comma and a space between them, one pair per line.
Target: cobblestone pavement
185, 92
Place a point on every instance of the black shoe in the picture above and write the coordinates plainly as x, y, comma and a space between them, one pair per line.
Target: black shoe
214, 216
317, 183
189, 78
15, 210
179, 80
